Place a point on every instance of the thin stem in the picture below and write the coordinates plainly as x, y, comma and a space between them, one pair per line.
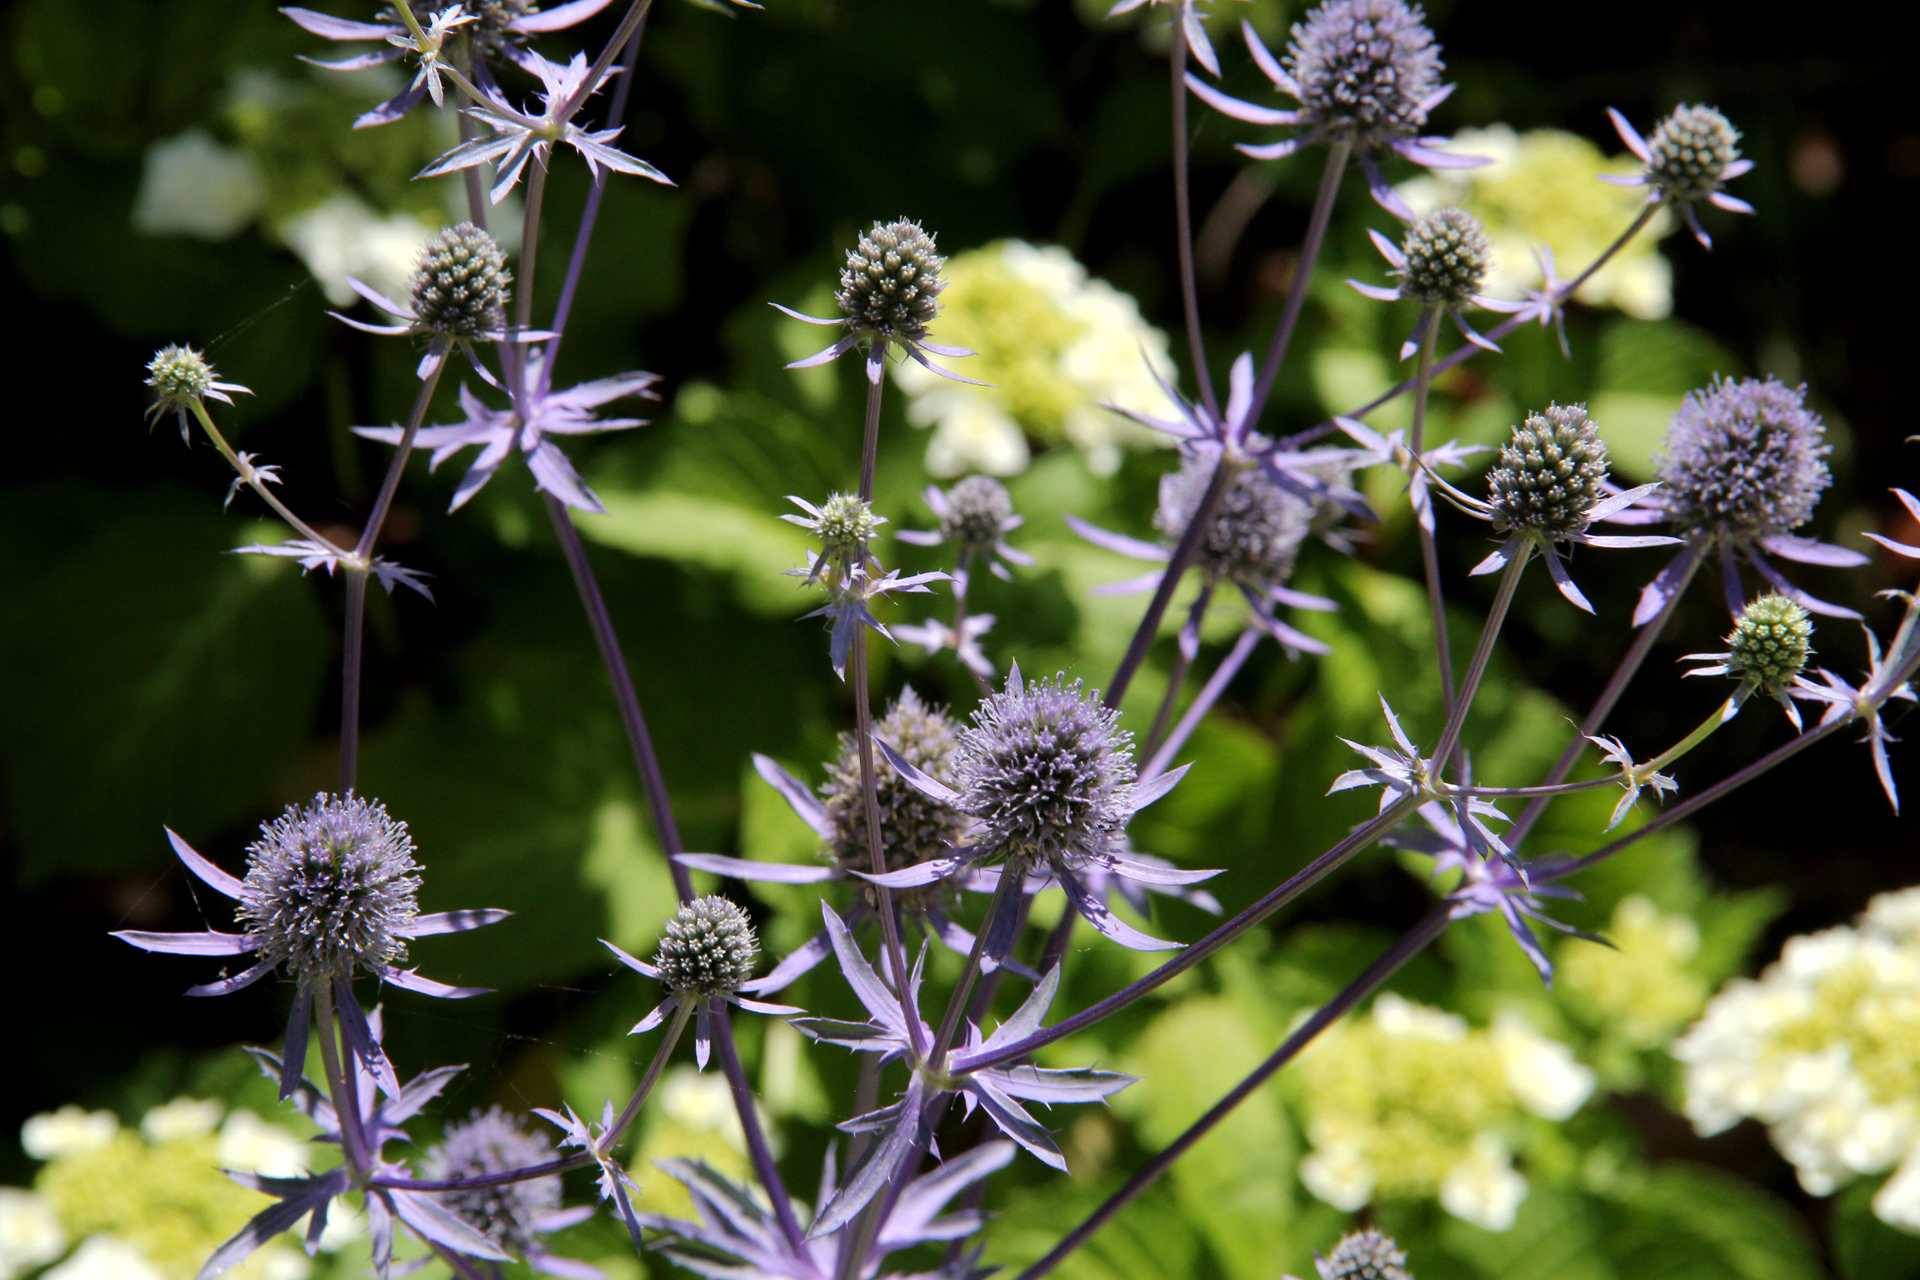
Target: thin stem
963, 989
870, 436
757, 1150
1058, 938
548, 1168
471, 175
1337, 156
250, 476
1429, 551
1183, 219
962, 583
1376, 975
866, 1098
1177, 675
397, 465
629, 24
682, 1010
1209, 694
631, 718
346, 1107
1225, 471
856, 1250
1549, 791
1295, 885
1483, 652
1721, 714
352, 652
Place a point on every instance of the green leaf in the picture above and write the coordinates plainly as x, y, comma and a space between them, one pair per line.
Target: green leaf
751, 547
1688, 1222
1865, 1248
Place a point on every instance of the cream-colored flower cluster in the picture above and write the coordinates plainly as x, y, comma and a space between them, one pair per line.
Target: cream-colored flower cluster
1641, 987
1413, 1102
1058, 347
1824, 1049
150, 1204
1543, 189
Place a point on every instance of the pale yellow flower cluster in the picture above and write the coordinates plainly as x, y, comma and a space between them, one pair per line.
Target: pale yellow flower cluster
1411, 1101
1640, 987
1824, 1049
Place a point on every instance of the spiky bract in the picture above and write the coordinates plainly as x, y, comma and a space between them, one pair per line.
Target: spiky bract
1047, 771
459, 286
1364, 70
891, 283
1744, 460
1688, 152
708, 948
492, 1141
1551, 471
1770, 643
1447, 256
1257, 533
915, 826
331, 886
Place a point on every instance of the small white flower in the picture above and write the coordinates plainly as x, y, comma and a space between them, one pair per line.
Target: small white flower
190, 185
1402, 1018
249, 1144
181, 1118
105, 1258
343, 237
1340, 1175
1483, 1188
30, 1233
1542, 1073
67, 1132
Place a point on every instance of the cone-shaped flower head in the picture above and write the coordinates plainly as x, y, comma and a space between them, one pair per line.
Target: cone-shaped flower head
1745, 460
1365, 70
1256, 534
1689, 152
178, 376
917, 827
1770, 644
891, 283
1365, 1255
845, 526
331, 886
1447, 255
492, 1141
1549, 474
708, 949
1047, 771
459, 287
978, 509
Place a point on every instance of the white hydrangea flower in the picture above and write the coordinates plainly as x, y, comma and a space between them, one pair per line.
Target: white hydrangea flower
703, 1104
342, 237
105, 1258
1340, 1175
251, 1145
1483, 1188
181, 1118
30, 1233
190, 185
1543, 1073
66, 1132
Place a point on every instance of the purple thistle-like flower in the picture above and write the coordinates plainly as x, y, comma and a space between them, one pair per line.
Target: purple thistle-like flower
497, 28
1371, 1254
1366, 73
1692, 154
1440, 264
514, 1215
330, 889
542, 414
976, 515
849, 571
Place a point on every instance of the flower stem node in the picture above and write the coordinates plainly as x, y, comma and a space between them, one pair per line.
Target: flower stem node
708, 950
459, 287
1770, 643
1550, 474
1447, 255
891, 283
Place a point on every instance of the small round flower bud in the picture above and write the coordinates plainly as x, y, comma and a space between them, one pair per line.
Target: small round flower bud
708, 949
891, 283
1553, 469
844, 526
1447, 258
1256, 534
1770, 643
1047, 771
1364, 69
178, 376
331, 886
459, 286
1365, 1255
1745, 460
1688, 152
487, 1142
915, 826
978, 509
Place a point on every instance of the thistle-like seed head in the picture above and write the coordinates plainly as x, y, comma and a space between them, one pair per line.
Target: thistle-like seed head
708, 949
492, 1141
1365, 69
1257, 533
1047, 771
331, 886
1771, 642
891, 283
1688, 152
1551, 471
1365, 1255
978, 509
1447, 258
178, 376
844, 526
1744, 460
915, 826
459, 286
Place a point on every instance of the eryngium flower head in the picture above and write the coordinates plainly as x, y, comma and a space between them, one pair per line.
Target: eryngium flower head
1364, 1255
1365, 70
1551, 471
844, 526
891, 283
917, 828
1690, 151
179, 376
492, 1141
1256, 534
978, 509
1447, 257
1047, 771
1770, 643
459, 286
708, 949
1745, 460
331, 886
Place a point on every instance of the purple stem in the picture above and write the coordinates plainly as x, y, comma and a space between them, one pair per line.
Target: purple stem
1482, 654
1429, 550
1359, 989
1183, 219
1337, 156
1209, 694
763, 1166
1224, 473
1177, 675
